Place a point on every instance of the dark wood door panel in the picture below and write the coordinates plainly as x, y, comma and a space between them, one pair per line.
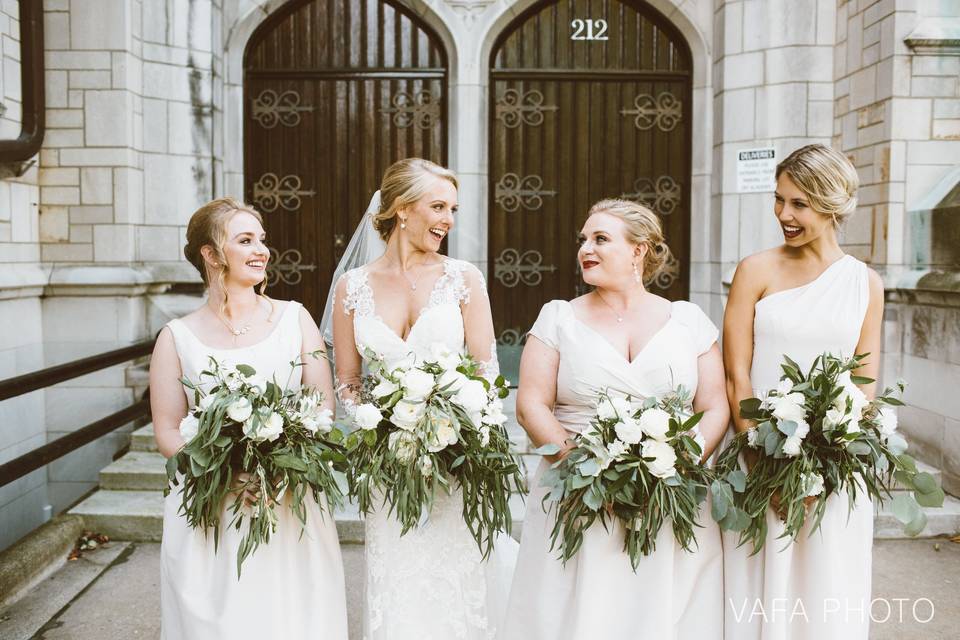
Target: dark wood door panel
573, 122
324, 117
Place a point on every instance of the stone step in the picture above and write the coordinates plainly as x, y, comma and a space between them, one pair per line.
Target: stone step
941, 521
136, 471
921, 466
138, 516
142, 439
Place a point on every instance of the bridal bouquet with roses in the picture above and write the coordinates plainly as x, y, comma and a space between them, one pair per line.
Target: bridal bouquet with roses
816, 435
429, 426
637, 462
248, 434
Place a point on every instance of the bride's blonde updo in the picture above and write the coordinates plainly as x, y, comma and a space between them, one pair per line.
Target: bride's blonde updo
208, 227
826, 177
404, 183
643, 227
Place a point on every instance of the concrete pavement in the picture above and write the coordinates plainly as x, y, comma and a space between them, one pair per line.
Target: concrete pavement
916, 587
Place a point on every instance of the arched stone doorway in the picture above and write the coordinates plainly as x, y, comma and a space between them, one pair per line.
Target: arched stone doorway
334, 92
581, 111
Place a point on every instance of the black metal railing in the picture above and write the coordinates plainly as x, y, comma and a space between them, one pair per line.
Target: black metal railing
19, 385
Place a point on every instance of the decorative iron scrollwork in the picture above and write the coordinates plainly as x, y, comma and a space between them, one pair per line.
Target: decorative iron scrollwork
272, 191
421, 109
271, 108
286, 267
668, 273
512, 192
512, 337
515, 108
512, 268
662, 195
664, 111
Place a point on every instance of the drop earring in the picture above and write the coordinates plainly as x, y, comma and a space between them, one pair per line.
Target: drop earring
403, 223
636, 273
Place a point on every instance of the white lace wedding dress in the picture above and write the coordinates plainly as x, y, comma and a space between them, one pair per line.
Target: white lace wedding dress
430, 584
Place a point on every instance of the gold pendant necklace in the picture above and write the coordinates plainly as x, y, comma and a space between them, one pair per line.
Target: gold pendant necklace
246, 327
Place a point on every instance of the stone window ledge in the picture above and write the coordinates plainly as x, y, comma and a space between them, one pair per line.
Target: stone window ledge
935, 36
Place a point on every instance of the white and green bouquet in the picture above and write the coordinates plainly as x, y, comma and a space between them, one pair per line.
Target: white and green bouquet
816, 435
429, 426
637, 462
248, 435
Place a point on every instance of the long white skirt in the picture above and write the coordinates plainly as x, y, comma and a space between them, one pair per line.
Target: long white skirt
817, 588
290, 588
674, 594
432, 583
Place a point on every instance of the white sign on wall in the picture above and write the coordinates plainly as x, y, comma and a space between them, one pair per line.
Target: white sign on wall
755, 170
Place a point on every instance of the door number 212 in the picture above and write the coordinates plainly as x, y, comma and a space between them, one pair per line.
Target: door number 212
595, 30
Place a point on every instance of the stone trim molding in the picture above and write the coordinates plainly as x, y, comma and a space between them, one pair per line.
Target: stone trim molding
935, 36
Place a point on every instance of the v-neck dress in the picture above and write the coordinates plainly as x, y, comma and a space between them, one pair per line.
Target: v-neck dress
431, 583
673, 593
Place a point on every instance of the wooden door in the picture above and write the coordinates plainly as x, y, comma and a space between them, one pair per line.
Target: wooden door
581, 111
334, 92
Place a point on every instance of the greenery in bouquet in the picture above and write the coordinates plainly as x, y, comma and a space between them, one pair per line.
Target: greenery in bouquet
817, 435
249, 434
637, 462
429, 426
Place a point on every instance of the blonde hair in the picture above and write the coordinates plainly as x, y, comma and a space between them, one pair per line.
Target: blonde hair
826, 177
643, 227
208, 227
404, 183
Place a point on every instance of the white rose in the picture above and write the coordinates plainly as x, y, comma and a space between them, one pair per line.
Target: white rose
271, 428
655, 422
791, 447
452, 380
484, 436
206, 402
494, 413
239, 410
785, 387
257, 383
417, 384
753, 437
386, 387
813, 483
443, 356
616, 449
858, 401
234, 380
368, 416
320, 420
444, 436
664, 458
189, 427
803, 428
833, 418
605, 409
426, 466
887, 421
623, 407
472, 396
407, 414
629, 430
403, 444
789, 407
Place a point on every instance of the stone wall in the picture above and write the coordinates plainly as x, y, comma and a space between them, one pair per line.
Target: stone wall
22, 503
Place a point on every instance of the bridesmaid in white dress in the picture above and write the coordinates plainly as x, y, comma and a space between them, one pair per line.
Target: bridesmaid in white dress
431, 583
292, 587
623, 338
801, 299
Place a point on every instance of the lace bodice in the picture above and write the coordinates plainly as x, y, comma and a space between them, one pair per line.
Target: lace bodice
441, 320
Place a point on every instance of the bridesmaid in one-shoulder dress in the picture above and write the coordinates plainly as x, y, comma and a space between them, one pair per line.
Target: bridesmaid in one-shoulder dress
292, 587
802, 299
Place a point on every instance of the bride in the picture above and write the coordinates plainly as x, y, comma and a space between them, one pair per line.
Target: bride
431, 583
